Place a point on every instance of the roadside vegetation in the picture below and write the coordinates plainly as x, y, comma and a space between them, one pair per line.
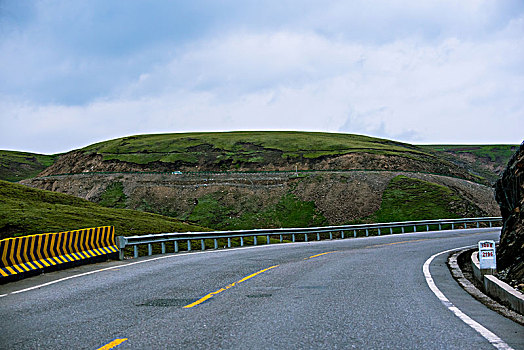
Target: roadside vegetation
26, 211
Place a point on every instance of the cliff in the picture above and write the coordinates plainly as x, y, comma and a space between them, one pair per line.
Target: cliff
510, 196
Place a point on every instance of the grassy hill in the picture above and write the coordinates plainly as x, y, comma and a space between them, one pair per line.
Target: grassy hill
242, 180
254, 151
16, 166
240, 147
25, 211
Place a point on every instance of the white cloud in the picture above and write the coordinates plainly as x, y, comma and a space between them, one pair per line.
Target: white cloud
449, 88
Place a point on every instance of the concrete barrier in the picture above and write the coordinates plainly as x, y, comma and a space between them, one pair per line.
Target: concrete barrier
504, 292
475, 266
23, 254
496, 288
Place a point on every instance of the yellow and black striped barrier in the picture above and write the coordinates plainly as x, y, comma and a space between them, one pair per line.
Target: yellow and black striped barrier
22, 254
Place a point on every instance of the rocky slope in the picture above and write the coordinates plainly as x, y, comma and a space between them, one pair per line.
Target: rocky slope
236, 199
510, 196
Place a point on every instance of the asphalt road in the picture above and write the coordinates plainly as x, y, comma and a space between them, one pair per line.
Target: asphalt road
365, 293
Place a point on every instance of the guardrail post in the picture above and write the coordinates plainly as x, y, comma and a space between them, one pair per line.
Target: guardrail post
318, 236
293, 237
490, 224
452, 226
330, 235
465, 225
135, 251
281, 239
367, 232
188, 245
342, 234
121, 243
163, 248
415, 228
241, 241
203, 244
478, 223
355, 233
440, 227
402, 229
176, 246
305, 237
229, 242
216, 243
391, 230
379, 231
268, 241
149, 249
427, 227
255, 240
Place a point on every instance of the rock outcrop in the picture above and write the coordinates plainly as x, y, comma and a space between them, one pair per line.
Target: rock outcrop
510, 196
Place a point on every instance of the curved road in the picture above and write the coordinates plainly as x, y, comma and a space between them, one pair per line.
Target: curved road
365, 293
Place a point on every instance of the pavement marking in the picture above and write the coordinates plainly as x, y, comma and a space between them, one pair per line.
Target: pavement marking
113, 344
401, 242
487, 334
314, 256
176, 256
212, 294
129, 264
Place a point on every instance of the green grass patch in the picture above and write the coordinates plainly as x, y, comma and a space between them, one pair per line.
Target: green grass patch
407, 199
26, 211
113, 196
288, 212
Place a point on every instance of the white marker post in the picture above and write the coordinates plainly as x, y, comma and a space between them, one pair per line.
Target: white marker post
487, 257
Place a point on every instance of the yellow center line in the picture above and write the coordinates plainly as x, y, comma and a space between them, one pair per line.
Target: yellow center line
113, 344
314, 256
402, 242
212, 294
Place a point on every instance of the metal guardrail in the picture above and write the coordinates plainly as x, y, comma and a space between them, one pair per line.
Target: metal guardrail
123, 242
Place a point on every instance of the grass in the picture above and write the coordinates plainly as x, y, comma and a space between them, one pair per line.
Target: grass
288, 212
26, 211
16, 166
242, 146
407, 199
113, 196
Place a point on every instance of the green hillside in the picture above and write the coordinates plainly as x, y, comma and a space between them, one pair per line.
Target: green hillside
242, 146
254, 151
25, 211
16, 166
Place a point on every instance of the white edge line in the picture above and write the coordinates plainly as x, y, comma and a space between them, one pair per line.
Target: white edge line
486, 333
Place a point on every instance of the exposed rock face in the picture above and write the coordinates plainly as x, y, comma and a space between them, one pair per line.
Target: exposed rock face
341, 197
510, 196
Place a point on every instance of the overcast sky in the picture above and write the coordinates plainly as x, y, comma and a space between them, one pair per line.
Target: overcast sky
76, 72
